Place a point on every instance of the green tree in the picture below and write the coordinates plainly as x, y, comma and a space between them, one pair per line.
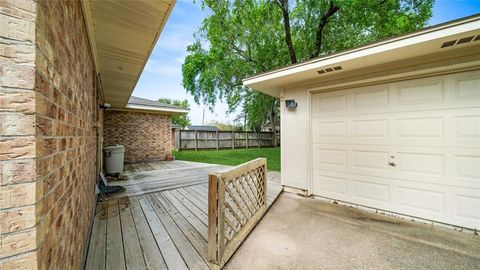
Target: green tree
225, 126
180, 119
241, 38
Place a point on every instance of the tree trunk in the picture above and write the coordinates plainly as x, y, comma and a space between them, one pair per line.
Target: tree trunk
274, 125
245, 122
273, 122
332, 9
283, 4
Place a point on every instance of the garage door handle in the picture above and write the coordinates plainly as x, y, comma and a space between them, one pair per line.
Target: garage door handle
393, 164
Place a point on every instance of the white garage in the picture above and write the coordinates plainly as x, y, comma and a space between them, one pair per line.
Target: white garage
394, 125
409, 147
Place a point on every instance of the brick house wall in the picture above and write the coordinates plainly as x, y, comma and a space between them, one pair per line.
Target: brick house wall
18, 186
49, 119
146, 136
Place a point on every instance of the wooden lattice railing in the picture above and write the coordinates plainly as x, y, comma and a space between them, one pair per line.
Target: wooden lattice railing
237, 200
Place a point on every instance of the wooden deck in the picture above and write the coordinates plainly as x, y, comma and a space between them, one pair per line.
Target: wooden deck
161, 222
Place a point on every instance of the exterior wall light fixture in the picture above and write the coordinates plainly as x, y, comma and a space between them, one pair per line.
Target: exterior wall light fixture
291, 104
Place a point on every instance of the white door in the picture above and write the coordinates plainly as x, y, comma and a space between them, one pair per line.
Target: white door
410, 147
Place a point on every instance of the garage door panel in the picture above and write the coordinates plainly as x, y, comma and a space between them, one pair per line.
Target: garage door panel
368, 193
468, 167
444, 92
332, 186
424, 164
422, 91
466, 87
330, 157
429, 129
376, 160
420, 128
337, 129
329, 102
467, 208
370, 97
421, 164
444, 128
418, 199
371, 129
421, 200
361, 159
467, 127
466, 170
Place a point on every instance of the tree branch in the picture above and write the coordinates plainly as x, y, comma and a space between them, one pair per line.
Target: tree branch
332, 9
283, 4
248, 59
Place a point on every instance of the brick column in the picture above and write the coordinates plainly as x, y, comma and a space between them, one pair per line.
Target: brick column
18, 188
49, 117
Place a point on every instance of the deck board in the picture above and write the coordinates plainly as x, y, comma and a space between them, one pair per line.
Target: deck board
98, 242
190, 256
196, 222
115, 258
161, 222
202, 216
170, 253
195, 199
131, 243
151, 253
195, 238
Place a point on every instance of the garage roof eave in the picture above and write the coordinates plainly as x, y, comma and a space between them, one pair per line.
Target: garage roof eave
426, 41
157, 109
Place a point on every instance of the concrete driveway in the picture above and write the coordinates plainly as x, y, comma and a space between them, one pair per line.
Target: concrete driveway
305, 233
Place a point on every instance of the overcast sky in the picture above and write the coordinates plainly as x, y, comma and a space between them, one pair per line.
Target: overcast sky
162, 76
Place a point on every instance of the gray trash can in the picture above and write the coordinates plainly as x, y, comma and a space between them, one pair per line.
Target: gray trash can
114, 157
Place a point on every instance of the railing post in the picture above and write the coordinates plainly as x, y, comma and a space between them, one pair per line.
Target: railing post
220, 218
212, 252
217, 141
233, 139
221, 188
265, 182
246, 139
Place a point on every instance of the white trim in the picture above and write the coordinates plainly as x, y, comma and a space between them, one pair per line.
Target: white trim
90, 32
157, 109
474, 65
443, 31
309, 148
282, 136
294, 190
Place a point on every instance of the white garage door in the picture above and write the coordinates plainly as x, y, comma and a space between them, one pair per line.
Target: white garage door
410, 147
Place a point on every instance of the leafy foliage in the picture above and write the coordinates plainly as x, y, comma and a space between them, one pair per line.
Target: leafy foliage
225, 126
180, 119
241, 38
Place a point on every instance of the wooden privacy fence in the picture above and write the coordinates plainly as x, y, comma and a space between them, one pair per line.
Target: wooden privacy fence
203, 139
237, 200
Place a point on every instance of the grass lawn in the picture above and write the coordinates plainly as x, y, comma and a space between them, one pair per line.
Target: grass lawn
232, 157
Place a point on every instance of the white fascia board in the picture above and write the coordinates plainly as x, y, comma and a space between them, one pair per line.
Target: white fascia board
369, 50
158, 109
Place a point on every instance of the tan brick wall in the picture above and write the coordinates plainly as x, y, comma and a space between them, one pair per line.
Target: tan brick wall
66, 120
18, 188
49, 114
146, 136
